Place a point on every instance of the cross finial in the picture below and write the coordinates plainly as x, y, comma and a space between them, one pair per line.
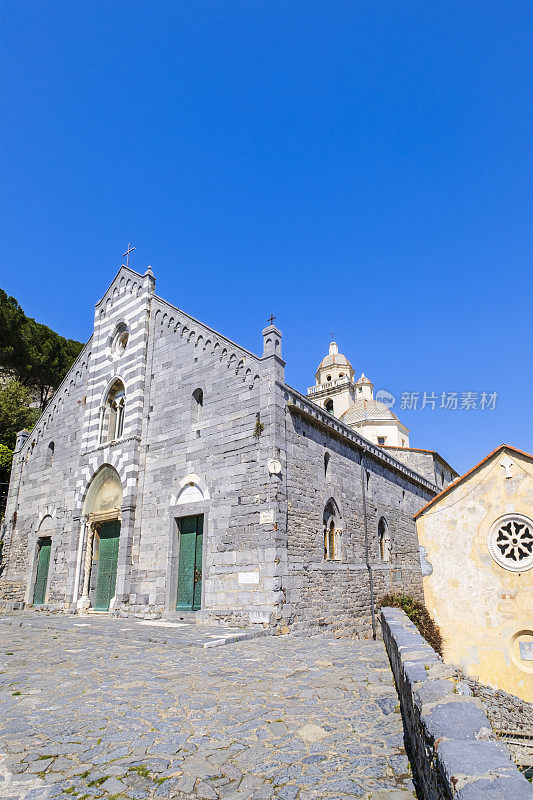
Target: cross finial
332, 336
507, 463
271, 319
127, 254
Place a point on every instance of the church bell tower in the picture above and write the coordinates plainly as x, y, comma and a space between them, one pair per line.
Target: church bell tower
334, 389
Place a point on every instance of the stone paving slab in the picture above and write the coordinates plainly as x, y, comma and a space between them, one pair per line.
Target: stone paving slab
121, 710
162, 631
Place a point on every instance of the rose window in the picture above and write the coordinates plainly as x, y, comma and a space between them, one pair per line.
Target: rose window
511, 542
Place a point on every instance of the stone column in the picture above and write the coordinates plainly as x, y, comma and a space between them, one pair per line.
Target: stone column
84, 603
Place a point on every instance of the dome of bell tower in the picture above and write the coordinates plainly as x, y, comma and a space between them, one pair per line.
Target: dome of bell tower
333, 366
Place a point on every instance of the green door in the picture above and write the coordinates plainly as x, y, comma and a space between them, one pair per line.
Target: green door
43, 562
107, 564
190, 563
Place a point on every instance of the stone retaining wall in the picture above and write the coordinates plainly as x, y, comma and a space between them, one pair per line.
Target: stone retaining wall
506, 712
453, 751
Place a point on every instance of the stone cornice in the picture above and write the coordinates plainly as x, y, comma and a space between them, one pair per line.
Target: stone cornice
207, 328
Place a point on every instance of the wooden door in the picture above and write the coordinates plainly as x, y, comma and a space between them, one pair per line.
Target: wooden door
107, 564
190, 563
43, 564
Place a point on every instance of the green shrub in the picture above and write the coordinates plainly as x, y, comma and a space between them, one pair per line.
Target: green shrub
417, 613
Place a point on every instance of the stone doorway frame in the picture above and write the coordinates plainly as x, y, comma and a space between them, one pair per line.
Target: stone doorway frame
92, 524
39, 534
176, 513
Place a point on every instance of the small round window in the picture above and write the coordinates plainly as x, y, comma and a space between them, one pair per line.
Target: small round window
510, 542
120, 340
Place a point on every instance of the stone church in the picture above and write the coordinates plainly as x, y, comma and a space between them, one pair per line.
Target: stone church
176, 473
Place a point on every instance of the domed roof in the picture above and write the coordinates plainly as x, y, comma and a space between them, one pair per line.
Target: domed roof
334, 359
363, 410
364, 380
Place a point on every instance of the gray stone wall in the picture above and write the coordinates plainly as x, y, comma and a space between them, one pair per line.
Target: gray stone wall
426, 463
224, 451
336, 594
452, 748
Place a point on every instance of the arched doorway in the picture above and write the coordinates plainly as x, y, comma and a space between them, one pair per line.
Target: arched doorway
101, 511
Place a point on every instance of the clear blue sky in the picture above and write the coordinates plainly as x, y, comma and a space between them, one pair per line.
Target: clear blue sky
362, 167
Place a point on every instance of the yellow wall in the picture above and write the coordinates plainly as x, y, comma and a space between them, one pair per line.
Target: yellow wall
483, 610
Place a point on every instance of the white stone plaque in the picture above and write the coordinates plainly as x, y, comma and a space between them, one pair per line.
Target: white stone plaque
266, 517
248, 577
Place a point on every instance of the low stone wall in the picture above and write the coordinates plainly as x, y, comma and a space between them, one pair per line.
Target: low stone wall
506, 712
452, 748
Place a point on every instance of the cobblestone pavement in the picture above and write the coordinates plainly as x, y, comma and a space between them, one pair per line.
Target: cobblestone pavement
99, 707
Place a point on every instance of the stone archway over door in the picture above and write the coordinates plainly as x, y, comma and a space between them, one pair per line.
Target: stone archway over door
102, 521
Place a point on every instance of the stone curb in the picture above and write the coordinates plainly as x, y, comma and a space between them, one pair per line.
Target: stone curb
244, 637
455, 754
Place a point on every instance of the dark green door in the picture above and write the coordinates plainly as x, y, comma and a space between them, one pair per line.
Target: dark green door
107, 564
43, 562
190, 563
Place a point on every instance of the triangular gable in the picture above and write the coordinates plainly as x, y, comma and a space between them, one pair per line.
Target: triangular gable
462, 478
124, 277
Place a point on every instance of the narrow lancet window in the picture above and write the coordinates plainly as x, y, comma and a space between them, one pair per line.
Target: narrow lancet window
197, 405
384, 540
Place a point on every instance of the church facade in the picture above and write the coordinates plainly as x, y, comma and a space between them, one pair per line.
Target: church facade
174, 472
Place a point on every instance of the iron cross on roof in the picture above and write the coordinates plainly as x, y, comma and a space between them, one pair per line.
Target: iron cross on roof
271, 319
127, 254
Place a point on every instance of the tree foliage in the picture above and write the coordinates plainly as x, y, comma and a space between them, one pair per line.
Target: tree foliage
34, 359
33, 353
6, 456
15, 412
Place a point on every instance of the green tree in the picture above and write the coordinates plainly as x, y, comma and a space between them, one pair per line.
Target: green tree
33, 353
6, 457
15, 412
12, 343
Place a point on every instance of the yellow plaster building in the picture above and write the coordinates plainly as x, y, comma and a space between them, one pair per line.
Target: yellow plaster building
476, 544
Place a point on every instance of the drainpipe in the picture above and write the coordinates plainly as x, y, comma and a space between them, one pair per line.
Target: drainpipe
367, 559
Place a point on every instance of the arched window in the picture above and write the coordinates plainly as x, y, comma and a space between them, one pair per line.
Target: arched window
197, 405
326, 464
50, 454
332, 532
329, 406
113, 419
384, 542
